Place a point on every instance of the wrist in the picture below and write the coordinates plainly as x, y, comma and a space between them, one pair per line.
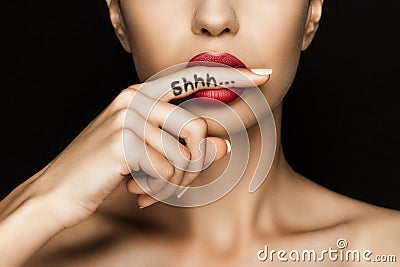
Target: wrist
26, 229
43, 210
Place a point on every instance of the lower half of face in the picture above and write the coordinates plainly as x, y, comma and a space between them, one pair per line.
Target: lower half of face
262, 33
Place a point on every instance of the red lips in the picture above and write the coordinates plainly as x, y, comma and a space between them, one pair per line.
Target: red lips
224, 95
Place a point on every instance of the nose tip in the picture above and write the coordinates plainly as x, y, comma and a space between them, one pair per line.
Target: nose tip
214, 18
215, 28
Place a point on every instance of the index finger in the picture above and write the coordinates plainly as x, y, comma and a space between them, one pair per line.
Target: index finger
185, 82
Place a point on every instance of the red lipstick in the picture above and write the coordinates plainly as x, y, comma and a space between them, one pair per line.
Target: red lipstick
224, 95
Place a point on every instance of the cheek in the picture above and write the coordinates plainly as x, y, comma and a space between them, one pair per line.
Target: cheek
270, 36
156, 34
278, 46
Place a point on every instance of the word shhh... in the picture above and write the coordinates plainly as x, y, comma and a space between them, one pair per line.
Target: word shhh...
178, 89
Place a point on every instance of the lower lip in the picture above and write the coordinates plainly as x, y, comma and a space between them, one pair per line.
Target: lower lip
216, 96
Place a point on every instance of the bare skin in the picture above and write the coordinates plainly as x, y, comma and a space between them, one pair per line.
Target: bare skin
289, 212
85, 212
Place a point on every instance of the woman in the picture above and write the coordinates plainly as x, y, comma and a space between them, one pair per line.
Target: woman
80, 206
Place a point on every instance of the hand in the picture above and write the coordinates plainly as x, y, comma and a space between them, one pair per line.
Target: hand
90, 168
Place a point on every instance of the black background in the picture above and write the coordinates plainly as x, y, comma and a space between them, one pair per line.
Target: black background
61, 65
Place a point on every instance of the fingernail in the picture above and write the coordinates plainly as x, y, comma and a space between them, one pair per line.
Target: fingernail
183, 192
228, 146
154, 201
262, 71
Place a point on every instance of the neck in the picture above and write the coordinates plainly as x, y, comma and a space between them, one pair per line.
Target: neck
239, 208
283, 204
268, 209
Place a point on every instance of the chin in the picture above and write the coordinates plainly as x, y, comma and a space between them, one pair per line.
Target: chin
216, 129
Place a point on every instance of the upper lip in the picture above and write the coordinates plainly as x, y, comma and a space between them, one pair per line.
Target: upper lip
224, 58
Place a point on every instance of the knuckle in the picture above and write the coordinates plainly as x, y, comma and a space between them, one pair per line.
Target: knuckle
169, 172
124, 97
124, 118
197, 126
118, 118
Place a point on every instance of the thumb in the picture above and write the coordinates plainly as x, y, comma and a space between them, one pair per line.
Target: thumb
216, 149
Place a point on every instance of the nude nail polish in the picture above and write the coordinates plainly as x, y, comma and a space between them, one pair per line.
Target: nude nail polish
183, 192
228, 146
154, 201
262, 71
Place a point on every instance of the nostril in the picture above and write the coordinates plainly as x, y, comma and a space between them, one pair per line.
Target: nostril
204, 31
207, 32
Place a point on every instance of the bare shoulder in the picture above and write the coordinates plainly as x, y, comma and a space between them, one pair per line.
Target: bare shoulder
379, 222
370, 222
367, 226
372, 230
377, 229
